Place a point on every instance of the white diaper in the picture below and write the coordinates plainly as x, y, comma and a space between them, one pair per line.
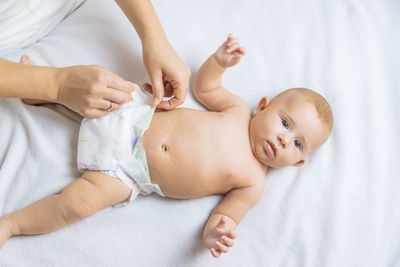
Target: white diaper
111, 144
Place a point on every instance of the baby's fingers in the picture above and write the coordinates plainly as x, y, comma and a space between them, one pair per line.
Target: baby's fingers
220, 230
221, 247
233, 48
231, 234
227, 241
231, 39
215, 253
240, 51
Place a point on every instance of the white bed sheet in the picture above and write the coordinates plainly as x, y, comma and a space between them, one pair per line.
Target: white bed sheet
340, 209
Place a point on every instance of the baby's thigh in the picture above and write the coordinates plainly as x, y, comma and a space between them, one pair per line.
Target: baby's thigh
109, 190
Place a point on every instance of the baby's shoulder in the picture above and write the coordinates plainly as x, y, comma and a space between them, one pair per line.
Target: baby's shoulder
253, 175
236, 120
240, 109
252, 187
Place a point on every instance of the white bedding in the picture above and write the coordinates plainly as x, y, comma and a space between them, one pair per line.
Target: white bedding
340, 209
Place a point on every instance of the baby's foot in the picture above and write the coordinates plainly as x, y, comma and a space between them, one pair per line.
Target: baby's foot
25, 59
5, 231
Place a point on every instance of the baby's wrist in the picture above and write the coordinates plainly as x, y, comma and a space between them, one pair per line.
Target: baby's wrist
217, 61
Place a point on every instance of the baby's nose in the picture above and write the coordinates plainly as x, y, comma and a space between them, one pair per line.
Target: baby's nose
283, 139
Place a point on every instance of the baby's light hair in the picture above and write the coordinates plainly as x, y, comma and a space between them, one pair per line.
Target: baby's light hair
321, 105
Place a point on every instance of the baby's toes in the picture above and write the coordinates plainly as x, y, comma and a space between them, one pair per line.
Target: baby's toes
222, 247
227, 241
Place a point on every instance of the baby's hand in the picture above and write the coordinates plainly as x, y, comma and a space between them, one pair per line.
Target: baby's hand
220, 238
230, 52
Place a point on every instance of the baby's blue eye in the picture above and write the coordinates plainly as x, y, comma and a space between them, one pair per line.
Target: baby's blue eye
297, 144
285, 123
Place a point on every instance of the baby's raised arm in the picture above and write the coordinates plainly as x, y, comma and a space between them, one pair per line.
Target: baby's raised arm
207, 86
219, 232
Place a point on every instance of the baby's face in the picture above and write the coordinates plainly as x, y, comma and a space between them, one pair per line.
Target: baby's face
285, 131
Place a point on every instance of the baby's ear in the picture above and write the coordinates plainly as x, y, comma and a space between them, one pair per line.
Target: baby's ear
300, 162
264, 102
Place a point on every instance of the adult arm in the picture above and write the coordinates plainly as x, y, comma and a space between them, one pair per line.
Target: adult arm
87, 90
168, 74
23, 81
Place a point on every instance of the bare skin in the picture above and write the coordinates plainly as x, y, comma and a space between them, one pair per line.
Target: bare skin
190, 153
168, 74
93, 91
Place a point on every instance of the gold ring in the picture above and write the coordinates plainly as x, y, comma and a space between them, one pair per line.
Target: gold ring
110, 108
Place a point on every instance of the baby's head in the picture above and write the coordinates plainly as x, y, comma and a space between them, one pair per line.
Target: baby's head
285, 130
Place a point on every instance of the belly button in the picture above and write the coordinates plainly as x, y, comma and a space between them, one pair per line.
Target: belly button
164, 148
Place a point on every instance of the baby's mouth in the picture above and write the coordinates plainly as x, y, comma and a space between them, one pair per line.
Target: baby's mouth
270, 149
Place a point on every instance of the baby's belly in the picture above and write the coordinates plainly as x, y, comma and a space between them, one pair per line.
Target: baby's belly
183, 165
188, 154
180, 177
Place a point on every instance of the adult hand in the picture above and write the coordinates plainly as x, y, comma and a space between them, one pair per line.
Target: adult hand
91, 90
168, 74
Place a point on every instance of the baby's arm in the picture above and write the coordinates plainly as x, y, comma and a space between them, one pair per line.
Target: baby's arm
207, 86
220, 229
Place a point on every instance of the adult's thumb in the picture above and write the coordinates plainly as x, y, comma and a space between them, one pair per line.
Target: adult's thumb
158, 89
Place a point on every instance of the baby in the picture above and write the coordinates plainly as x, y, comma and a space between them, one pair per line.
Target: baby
187, 153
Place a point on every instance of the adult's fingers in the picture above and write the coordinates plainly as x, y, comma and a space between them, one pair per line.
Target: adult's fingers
116, 82
147, 88
158, 88
168, 90
179, 92
116, 96
108, 105
95, 113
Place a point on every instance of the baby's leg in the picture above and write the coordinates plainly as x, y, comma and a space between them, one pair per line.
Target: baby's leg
82, 198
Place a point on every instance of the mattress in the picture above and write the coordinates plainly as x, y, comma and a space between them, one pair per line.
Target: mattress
341, 208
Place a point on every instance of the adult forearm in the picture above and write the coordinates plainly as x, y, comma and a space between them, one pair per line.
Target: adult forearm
25, 81
143, 17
